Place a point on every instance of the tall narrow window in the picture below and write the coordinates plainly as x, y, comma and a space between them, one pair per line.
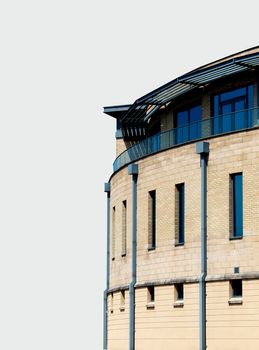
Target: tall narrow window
113, 233
122, 305
178, 295
236, 292
150, 297
236, 205
236, 288
152, 219
124, 229
111, 303
179, 214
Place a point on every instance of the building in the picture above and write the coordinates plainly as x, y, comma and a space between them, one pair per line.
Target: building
183, 213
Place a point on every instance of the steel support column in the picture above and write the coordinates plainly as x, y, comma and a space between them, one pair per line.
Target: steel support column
105, 303
133, 170
202, 148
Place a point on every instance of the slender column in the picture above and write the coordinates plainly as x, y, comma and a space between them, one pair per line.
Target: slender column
133, 170
202, 148
105, 303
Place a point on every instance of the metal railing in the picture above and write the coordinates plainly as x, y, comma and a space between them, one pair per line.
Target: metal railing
217, 125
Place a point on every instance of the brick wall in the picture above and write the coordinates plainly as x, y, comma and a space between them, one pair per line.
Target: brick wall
238, 152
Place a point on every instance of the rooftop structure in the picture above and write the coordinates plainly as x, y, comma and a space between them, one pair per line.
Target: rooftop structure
182, 213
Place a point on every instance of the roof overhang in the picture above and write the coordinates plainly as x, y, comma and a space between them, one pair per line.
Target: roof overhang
135, 119
116, 111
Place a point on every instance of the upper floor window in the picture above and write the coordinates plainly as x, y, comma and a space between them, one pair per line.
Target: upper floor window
152, 220
188, 124
113, 233
124, 229
179, 214
232, 109
236, 205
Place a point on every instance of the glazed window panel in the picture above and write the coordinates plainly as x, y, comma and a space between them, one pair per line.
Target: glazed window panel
188, 124
124, 229
233, 109
152, 219
179, 213
236, 205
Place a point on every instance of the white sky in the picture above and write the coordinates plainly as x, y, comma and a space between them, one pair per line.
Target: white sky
61, 62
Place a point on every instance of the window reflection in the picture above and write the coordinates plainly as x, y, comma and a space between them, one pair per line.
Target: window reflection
188, 124
231, 110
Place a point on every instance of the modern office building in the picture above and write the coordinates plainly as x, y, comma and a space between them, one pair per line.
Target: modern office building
183, 213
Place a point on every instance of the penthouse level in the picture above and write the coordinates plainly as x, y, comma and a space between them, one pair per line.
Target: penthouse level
216, 99
183, 214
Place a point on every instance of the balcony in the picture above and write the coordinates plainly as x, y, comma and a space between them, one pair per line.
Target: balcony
214, 126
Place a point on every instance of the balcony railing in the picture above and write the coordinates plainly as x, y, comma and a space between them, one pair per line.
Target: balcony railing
218, 125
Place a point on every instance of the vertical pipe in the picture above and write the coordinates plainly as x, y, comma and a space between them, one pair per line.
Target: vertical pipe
133, 170
202, 148
202, 285
105, 319
105, 303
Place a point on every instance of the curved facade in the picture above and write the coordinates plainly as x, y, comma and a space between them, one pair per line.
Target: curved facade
183, 214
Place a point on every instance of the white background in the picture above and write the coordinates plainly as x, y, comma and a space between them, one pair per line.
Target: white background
60, 63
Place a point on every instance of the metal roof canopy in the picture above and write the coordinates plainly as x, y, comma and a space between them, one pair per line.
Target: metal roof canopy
116, 111
135, 119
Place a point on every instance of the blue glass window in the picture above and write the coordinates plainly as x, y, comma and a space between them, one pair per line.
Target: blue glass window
180, 213
232, 94
231, 109
188, 124
237, 205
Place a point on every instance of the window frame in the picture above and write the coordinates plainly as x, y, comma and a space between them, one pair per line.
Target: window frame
188, 125
179, 288
122, 300
236, 206
180, 214
219, 117
111, 302
113, 240
150, 297
152, 220
124, 229
235, 299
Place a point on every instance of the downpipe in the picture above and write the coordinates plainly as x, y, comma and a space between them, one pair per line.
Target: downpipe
202, 148
107, 189
133, 170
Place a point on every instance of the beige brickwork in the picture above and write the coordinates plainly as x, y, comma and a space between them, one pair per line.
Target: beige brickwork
238, 152
118, 320
121, 265
228, 155
232, 326
165, 324
120, 146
